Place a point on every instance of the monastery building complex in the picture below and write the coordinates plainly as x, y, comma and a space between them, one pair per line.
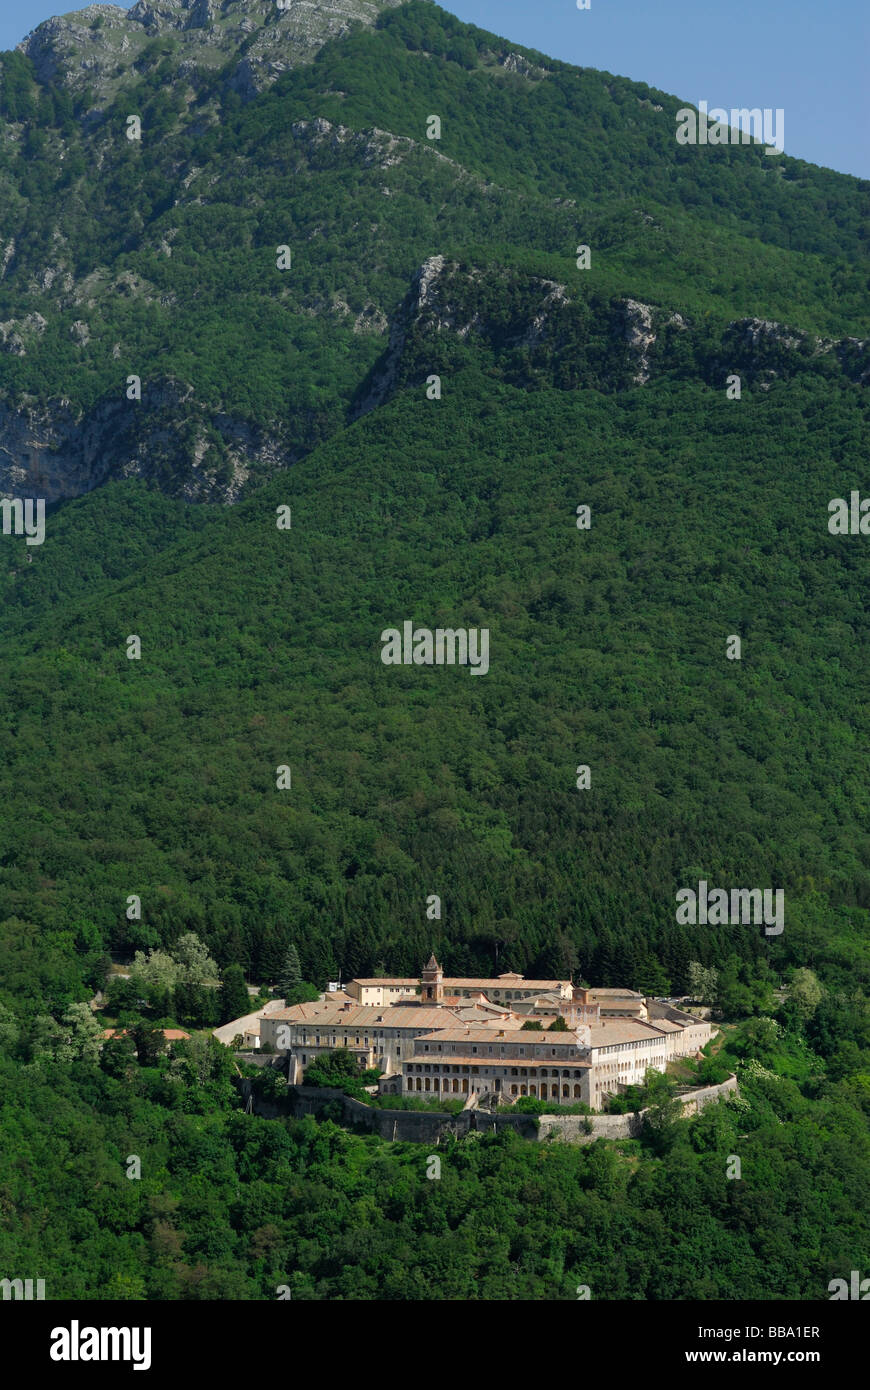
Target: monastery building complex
465, 1037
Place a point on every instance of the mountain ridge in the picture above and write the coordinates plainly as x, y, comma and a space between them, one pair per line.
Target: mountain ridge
159, 264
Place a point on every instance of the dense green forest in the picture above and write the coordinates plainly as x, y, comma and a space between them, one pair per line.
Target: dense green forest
607, 649
157, 777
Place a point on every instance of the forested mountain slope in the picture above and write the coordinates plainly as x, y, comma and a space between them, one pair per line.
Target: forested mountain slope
311, 389
261, 647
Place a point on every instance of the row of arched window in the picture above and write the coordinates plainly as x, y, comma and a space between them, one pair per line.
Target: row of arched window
427, 1083
554, 1091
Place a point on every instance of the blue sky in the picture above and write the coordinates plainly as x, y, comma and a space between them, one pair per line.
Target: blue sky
810, 57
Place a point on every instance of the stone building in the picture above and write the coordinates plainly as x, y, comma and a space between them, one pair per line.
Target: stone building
466, 1037
378, 1035
434, 987
588, 1063
613, 1003
499, 1062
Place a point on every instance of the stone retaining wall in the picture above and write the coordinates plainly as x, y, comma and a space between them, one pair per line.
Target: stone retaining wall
576, 1128
429, 1126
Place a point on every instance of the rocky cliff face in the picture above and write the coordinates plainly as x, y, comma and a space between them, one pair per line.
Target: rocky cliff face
54, 453
535, 334
96, 48
529, 329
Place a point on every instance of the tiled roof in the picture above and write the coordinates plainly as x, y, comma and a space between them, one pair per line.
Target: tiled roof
474, 1059
494, 1035
465, 1008
503, 982
324, 1015
609, 1032
170, 1034
390, 980
614, 994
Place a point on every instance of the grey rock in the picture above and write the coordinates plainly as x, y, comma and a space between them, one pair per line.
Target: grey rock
55, 453
78, 52
640, 335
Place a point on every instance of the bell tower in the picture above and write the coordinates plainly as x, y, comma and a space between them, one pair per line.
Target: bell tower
431, 982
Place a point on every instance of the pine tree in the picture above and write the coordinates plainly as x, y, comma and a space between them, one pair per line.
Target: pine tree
269, 954
235, 1000
291, 971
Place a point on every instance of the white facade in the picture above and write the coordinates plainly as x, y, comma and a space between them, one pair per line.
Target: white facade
427, 1045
